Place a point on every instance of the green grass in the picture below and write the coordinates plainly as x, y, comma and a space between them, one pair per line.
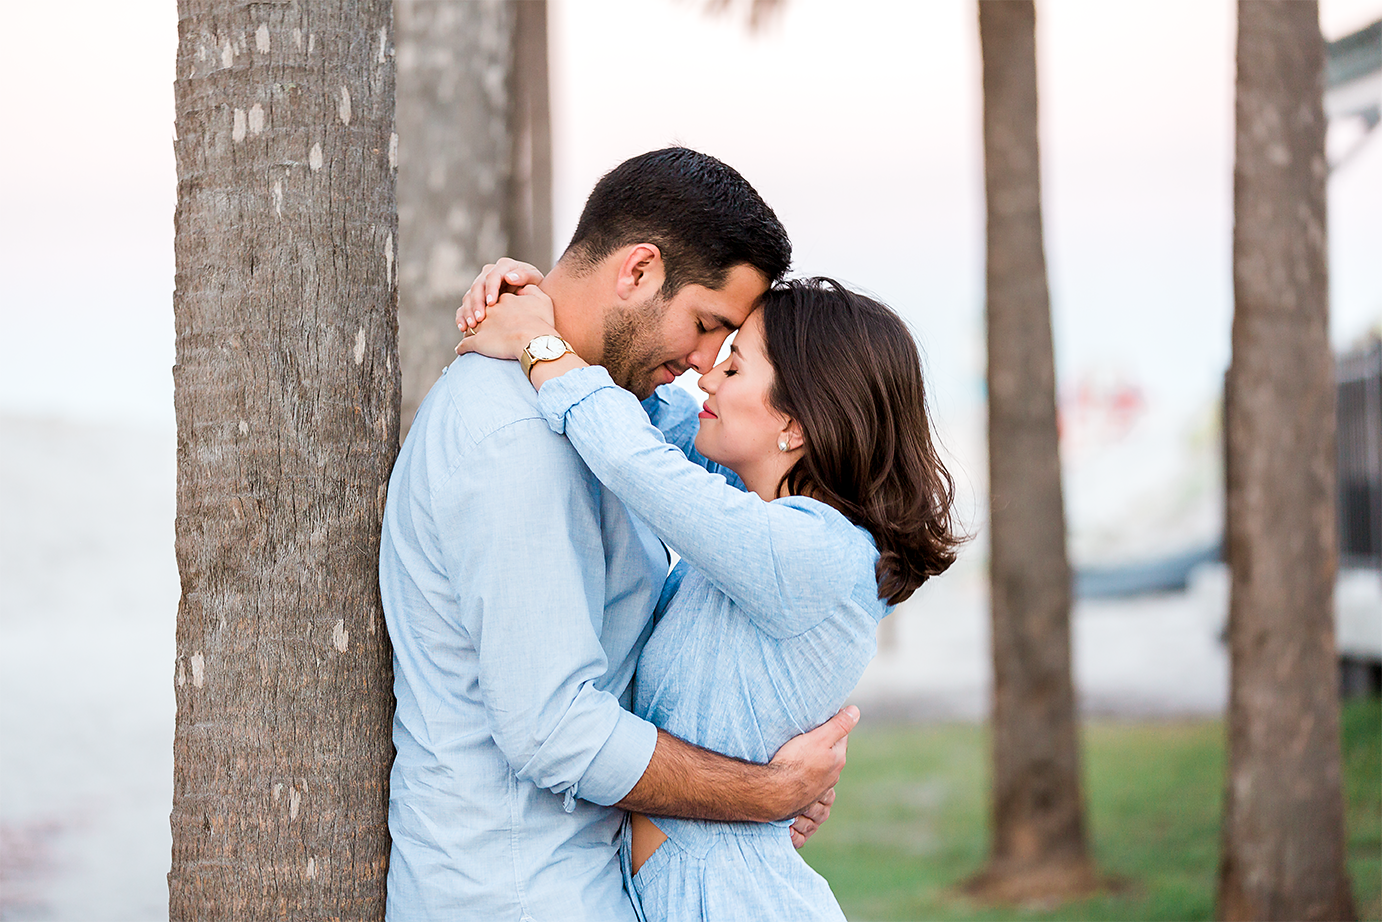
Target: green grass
910, 821
1362, 726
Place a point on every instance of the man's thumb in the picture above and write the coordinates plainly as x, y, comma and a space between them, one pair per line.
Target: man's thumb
844, 721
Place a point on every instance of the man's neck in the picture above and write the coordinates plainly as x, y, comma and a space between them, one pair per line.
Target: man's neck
578, 314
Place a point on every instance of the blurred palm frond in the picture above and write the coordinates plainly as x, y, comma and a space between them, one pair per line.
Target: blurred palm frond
760, 12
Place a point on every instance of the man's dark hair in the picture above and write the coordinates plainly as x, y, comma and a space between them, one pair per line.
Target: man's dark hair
704, 217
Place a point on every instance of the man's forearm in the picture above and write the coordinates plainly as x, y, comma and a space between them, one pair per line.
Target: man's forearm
687, 781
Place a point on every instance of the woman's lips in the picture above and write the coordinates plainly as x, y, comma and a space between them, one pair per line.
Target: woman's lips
706, 414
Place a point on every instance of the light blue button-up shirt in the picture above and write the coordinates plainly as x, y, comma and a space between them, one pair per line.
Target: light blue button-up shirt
518, 594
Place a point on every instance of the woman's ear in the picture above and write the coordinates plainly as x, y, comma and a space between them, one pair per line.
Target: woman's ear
790, 436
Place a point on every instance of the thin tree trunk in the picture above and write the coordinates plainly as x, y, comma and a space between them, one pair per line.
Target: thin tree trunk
475, 170
1038, 846
1283, 832
530, 126
286, 390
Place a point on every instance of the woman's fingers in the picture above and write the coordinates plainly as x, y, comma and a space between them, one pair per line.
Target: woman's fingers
489, 285
516, 318
509, 272
463, 347
475, 295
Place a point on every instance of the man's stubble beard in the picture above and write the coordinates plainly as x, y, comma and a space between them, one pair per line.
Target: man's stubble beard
632, 345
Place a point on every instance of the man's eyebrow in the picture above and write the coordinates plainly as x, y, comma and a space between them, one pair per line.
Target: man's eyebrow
723, 321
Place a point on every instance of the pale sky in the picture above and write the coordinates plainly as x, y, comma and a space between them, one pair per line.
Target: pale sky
860, 128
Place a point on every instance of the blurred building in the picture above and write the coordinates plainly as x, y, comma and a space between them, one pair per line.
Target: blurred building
1360, 456
1353, 87
1358, 604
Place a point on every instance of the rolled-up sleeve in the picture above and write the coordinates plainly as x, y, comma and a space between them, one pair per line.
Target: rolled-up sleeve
528, 575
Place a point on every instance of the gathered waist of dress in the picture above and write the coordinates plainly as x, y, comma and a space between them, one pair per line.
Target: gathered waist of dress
699, 836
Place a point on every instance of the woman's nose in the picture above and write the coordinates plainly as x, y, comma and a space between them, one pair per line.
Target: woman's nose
708, 381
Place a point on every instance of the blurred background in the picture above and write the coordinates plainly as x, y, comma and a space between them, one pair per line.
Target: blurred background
860, 125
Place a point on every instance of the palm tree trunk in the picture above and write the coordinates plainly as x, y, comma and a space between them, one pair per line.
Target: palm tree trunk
475, 163
286, 390
1038, 847
1283, 832
530, 126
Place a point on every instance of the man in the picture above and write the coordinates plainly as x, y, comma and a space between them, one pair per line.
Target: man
519, 592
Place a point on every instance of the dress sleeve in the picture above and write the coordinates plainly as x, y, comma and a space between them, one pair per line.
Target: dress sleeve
783, 562
529, 579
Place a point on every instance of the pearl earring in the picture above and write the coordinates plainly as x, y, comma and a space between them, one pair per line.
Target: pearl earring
782, 445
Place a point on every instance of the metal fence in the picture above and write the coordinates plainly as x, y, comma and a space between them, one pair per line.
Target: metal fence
1360, 456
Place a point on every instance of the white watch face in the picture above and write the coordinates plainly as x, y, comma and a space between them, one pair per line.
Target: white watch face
546, 348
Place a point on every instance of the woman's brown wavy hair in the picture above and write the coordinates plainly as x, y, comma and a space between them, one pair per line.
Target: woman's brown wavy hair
847, 370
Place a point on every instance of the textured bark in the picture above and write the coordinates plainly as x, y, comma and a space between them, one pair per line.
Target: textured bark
286, 390
475, 172
530, 126
1283, 832
1037, 813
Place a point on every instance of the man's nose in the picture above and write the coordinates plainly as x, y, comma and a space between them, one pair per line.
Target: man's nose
707, 350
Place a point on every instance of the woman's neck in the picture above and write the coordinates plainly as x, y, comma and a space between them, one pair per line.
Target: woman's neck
769, 481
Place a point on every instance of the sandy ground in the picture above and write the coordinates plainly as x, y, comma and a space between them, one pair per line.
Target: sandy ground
88, 599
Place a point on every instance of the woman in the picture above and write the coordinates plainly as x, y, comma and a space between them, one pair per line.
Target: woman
768, 621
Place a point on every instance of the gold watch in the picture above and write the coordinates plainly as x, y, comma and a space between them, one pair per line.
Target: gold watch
547, 348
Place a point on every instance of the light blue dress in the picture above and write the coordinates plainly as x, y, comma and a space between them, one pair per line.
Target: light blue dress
763, 629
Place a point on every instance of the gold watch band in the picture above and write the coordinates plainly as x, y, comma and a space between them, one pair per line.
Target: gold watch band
550, 348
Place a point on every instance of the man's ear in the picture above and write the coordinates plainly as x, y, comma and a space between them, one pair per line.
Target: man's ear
640, 274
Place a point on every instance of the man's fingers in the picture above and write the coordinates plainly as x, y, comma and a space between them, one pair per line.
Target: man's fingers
798, 840
819, 811
834, 730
